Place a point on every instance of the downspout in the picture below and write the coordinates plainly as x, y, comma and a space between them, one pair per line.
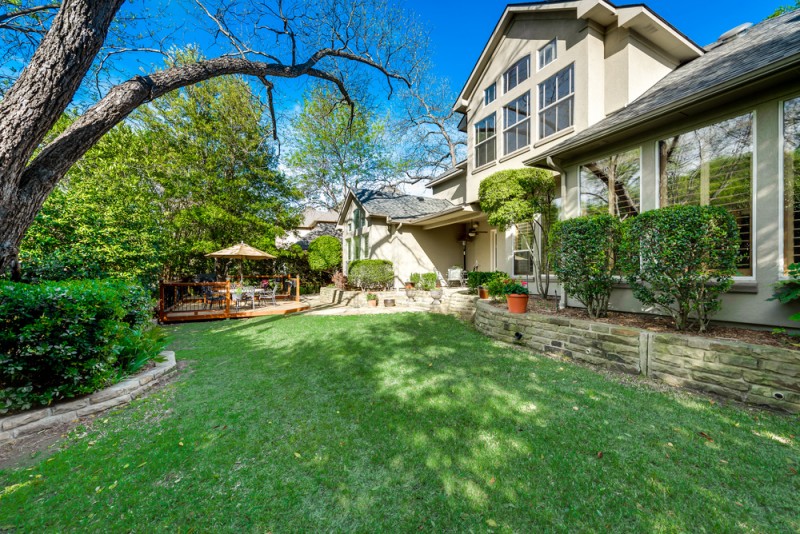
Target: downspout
562, 302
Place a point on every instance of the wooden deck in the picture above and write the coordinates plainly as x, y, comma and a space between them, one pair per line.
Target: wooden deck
283, 308
181, 302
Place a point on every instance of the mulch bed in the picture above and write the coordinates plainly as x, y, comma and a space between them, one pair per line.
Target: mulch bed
656, 323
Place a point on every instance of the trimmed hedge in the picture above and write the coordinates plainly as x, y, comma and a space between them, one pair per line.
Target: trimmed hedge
584, 250
371, 274
65, 339
681, 259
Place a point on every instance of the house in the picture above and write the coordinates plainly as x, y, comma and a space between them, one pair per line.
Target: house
602, 94
315, 223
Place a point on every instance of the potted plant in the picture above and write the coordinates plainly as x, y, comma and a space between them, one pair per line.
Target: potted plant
517, 296
372, 300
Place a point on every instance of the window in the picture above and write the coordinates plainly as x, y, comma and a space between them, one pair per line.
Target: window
517, 124
556, 102
517, 74
791, 181
523, 241
484, 141
366, 246
489, 94
547, 54
612, 185
358, 218
357, 242
713, 166
349, 250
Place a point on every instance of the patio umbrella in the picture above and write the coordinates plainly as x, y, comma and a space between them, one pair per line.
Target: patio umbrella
242, 251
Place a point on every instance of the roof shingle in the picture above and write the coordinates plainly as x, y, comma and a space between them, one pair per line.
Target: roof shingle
399, 206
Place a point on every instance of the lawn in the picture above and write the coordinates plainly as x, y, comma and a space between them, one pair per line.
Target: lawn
408, 422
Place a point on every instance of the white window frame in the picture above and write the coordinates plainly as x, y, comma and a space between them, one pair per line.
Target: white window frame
753, 186
492, 139
508, 127
486, 100
557, 102
515, 68
514, 251
543, 50
782, 187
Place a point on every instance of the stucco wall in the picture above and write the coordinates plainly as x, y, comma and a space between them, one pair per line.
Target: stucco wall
747, 303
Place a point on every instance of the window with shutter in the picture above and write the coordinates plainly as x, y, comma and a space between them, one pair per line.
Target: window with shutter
713, 166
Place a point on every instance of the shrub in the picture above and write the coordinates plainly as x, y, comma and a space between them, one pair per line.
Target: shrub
681, 259
416, 279
371, 274
428, 281
475, 279
496, 285
325, 253
64, 339
584, 251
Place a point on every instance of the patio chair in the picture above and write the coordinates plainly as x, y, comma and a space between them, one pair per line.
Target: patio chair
268, 293
210, 297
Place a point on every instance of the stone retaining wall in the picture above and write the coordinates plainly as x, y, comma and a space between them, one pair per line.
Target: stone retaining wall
755, 374
32, 421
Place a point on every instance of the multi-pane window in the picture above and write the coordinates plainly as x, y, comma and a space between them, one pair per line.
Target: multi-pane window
547, 53
713, 166
791, 181
612, 185
516, 118
349, 244
489, 94
358, 218
485, 141
556, 101
357, 242
517, 74
366, 246
523, 242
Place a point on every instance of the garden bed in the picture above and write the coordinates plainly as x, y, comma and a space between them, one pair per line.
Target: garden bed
660, 323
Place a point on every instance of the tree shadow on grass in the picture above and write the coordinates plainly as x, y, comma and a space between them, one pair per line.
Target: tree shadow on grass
465, 432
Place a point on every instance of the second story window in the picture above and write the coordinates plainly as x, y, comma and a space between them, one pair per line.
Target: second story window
517, 74
489, 94
516, 119
556, 102
484, 141
547, 54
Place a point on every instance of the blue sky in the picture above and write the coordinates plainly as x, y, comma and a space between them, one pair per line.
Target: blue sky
460, 28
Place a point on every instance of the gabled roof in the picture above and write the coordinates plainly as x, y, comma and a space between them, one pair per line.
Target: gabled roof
449, 174
395, 206
637, 17
769, 47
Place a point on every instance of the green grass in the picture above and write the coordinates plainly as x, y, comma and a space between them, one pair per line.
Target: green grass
404, 423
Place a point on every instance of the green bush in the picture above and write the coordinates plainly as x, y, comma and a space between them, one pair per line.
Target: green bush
681, 259
325, 253
428, 281
584, 250
416, 279
371, 274
496, 285
64, 339
476, 279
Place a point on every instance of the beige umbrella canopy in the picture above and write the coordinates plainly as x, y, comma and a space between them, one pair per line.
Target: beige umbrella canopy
242, 251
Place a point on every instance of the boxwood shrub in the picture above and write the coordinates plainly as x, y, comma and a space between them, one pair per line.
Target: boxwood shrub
584, 251
65, 339
371, 274
681, 259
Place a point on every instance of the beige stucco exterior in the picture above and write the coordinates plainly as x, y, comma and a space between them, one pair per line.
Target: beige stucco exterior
614, 64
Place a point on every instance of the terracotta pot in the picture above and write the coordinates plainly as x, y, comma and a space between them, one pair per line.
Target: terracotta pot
483, 293
409, 285
372, 303
517, 303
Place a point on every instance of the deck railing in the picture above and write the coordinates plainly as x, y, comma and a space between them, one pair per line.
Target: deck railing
187, 301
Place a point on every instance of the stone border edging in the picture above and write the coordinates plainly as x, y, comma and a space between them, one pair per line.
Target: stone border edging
755, 374
32, 421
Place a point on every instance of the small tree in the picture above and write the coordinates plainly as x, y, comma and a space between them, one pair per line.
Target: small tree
681, 259
519, 196
583, 255
325, 254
